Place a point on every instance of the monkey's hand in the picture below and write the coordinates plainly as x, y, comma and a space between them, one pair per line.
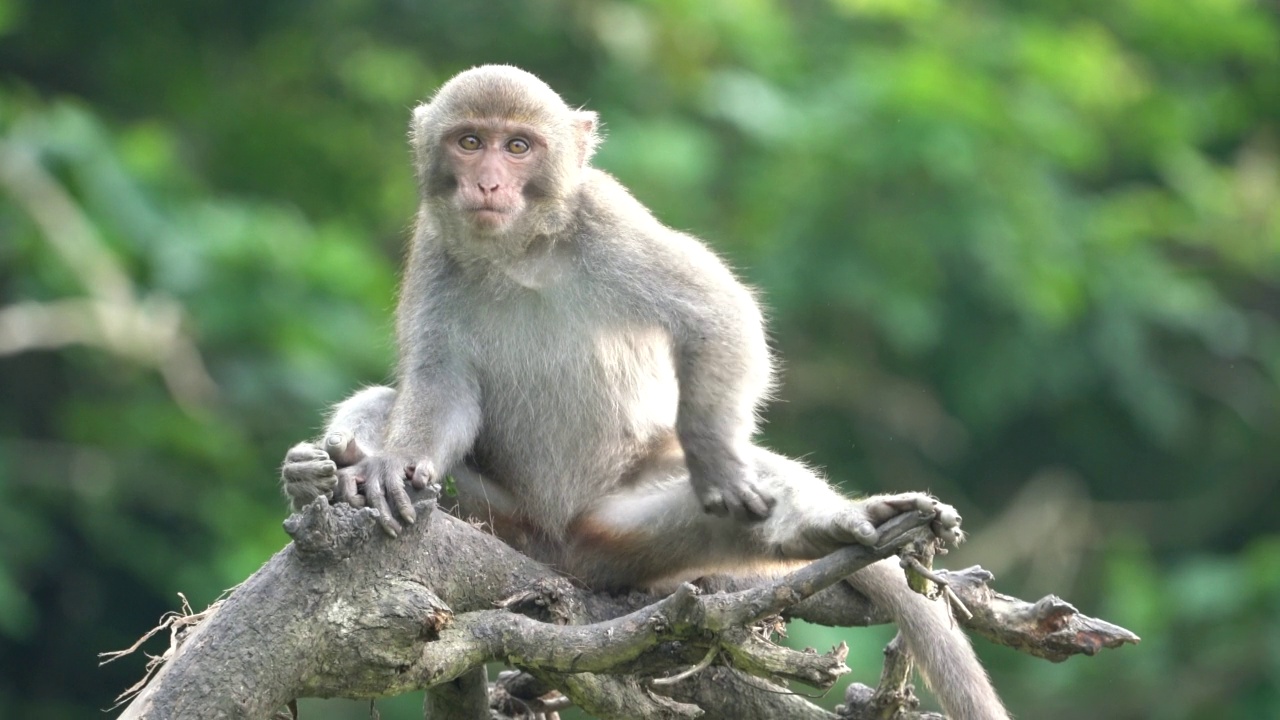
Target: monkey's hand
380, 482
308, 473
729, 487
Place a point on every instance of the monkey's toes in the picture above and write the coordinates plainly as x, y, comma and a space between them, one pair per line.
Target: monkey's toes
318, 473
944, 519
305, 452
307, 472
846, 526
347, 488
880, 508
863, 532
947, 516
946, 524
422, 474
377, 496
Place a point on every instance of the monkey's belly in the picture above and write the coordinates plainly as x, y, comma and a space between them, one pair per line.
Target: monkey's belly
556, 461
571, 399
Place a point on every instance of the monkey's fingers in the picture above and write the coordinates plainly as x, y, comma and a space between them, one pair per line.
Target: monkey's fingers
400, 500
342, 447
312, 471
301, 494
742, 499
713, 501
347, 489
307, 473
755, 503
375, 494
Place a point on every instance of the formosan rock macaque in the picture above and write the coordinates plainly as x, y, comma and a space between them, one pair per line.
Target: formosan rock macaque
590, 379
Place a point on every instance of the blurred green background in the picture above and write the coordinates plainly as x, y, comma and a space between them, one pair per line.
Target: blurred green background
1023, 254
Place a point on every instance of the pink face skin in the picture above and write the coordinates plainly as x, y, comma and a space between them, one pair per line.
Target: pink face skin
492, 163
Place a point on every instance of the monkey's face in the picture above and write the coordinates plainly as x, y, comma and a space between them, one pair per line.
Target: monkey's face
494, 166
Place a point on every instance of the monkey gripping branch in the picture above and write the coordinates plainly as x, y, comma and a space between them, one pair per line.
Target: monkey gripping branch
345, 611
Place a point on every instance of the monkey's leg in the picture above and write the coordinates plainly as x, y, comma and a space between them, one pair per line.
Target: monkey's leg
655, 532
654, 528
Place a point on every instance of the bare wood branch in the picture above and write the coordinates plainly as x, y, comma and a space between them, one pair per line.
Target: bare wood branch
465, 698
345, 611
728, 694
893, 698
1050, 628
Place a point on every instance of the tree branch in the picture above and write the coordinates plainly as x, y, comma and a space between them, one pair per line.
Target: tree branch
346, 611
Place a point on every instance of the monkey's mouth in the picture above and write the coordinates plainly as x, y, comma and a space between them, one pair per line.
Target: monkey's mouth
490, 216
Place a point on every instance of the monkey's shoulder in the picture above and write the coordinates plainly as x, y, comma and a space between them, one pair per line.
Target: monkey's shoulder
617, 228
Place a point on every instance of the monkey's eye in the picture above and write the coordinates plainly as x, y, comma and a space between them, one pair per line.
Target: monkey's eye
517, 146
469, 142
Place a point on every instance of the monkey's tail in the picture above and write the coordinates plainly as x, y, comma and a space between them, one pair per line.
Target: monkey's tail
940, 649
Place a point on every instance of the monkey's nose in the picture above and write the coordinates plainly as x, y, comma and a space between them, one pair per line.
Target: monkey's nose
486, 188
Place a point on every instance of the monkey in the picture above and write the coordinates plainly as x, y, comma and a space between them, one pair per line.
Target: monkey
589, 381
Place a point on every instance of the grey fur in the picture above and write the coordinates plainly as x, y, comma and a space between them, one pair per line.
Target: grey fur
590, 379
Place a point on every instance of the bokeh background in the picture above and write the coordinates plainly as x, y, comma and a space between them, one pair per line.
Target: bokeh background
1023, 254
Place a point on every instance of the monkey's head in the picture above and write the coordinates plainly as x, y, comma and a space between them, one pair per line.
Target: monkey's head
496, 148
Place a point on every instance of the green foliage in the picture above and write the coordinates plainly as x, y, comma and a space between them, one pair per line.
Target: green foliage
1007, 247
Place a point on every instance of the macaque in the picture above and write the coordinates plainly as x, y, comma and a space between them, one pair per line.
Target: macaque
590, 380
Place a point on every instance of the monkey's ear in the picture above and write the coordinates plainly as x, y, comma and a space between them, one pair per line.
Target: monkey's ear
585, 134
417, 135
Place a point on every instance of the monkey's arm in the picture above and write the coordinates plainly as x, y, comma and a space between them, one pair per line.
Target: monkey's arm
435, 417
723, 369
432, 425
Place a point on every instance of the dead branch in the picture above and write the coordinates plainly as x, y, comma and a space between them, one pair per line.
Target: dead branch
345, 611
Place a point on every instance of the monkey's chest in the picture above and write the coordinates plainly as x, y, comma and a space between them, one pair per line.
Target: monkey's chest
577, 398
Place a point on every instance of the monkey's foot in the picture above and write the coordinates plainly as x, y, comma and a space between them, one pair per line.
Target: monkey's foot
859, 522
874, 511
307, 473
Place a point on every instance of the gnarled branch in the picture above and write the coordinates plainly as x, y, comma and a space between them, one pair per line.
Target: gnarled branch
345, 611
